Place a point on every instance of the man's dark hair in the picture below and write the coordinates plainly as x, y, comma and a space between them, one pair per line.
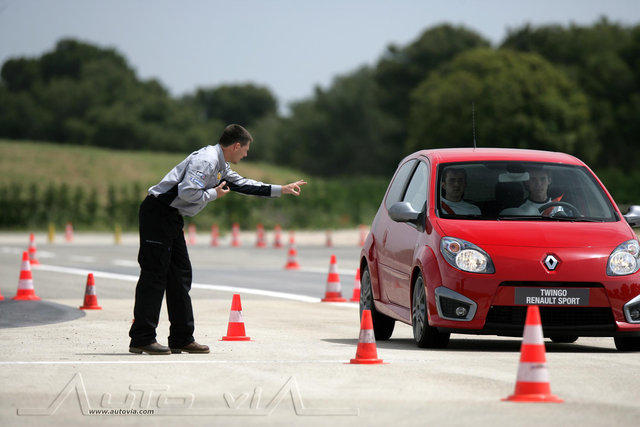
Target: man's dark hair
539, 169
233, 134
452, 170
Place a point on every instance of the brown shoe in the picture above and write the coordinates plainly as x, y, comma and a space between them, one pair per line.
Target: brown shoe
193, 347
153, 348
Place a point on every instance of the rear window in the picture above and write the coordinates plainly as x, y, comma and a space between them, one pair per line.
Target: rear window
521, 191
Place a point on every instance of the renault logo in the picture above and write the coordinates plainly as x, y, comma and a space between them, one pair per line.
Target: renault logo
551, 262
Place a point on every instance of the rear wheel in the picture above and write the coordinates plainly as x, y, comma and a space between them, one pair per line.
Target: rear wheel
424, 335
627, 343
382, 324
566, 339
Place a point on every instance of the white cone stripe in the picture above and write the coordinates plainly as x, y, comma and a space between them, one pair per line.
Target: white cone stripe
533, 372
532, 335
367, 336
25, 284
26, 266
235, 317
91, 290
333, 268
333, 286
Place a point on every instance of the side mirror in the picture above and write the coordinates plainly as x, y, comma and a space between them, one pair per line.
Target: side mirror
632, 217
403, 212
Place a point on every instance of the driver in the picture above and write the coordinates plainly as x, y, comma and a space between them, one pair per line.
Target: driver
538, 186
454, 183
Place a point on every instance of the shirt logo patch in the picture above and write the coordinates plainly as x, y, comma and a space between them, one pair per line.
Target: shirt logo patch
197, 182
201, 175
219, 176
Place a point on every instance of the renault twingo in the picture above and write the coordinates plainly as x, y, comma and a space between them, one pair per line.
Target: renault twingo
465, 239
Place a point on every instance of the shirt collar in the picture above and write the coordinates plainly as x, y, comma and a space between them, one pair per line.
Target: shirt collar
221, 160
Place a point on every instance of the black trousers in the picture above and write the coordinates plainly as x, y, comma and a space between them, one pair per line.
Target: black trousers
164, 265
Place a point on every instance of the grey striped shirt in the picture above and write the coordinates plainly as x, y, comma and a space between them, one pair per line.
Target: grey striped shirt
189, 186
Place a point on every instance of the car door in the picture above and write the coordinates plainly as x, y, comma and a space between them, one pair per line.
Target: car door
402, 238
387, 275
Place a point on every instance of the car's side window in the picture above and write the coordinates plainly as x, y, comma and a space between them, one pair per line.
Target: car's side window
416, 193
396, 190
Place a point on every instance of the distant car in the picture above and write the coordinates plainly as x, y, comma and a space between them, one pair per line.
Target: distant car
465, 239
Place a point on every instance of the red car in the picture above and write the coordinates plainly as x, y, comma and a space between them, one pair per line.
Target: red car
465, 239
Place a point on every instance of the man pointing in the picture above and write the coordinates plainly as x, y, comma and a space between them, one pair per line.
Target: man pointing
204, 176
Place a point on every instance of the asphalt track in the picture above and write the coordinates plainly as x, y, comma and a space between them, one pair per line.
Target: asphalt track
294, 370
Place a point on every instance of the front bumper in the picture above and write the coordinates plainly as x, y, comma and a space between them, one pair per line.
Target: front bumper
498, 314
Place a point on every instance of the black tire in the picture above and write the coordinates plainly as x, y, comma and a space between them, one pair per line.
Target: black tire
564, 339
627, 343
424, 335
382, 324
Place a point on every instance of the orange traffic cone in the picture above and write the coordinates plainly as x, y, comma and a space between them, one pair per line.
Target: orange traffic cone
1, 297
215, 233
32, 250
235, 330
235, 235
292, 262
260, 242
90, 297
277, 241
329, 239
356, 287
333, 292
192, 234
366, 353
363, 235
68, 232
532, 383
25, 284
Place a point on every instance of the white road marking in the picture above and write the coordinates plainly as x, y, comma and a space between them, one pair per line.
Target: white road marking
124, 263
82, 258
222, 288
45, 254
9, 250
159, 362
326, 270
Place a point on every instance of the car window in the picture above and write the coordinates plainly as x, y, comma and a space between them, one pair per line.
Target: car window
521, 190
396, 189
416, 193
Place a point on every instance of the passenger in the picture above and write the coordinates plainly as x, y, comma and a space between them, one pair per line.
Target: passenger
538, 187
454, 183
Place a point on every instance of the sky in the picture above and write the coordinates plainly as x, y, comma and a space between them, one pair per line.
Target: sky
290, 46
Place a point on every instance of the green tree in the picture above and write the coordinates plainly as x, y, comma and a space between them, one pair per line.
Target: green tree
401, 69
340, 131
242, 104
522, 101
603, 60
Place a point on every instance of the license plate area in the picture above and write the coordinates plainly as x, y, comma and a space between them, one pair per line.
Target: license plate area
551, 296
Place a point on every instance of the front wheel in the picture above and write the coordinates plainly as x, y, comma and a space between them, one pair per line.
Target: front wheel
382, 324
627, 343
424, 335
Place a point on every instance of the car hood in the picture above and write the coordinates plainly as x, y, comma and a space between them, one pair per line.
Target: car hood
537, 234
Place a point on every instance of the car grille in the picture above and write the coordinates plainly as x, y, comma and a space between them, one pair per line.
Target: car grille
552, 317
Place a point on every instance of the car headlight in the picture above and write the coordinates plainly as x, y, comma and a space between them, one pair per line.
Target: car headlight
625, 259
465, 256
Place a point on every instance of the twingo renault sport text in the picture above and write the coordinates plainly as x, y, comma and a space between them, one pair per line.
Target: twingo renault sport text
465, 239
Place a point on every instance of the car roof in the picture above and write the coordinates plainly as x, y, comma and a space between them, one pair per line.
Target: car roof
445, 155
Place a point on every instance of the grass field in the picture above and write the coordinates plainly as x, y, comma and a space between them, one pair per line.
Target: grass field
40, 162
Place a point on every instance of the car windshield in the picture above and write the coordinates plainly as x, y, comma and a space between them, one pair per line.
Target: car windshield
519, 190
